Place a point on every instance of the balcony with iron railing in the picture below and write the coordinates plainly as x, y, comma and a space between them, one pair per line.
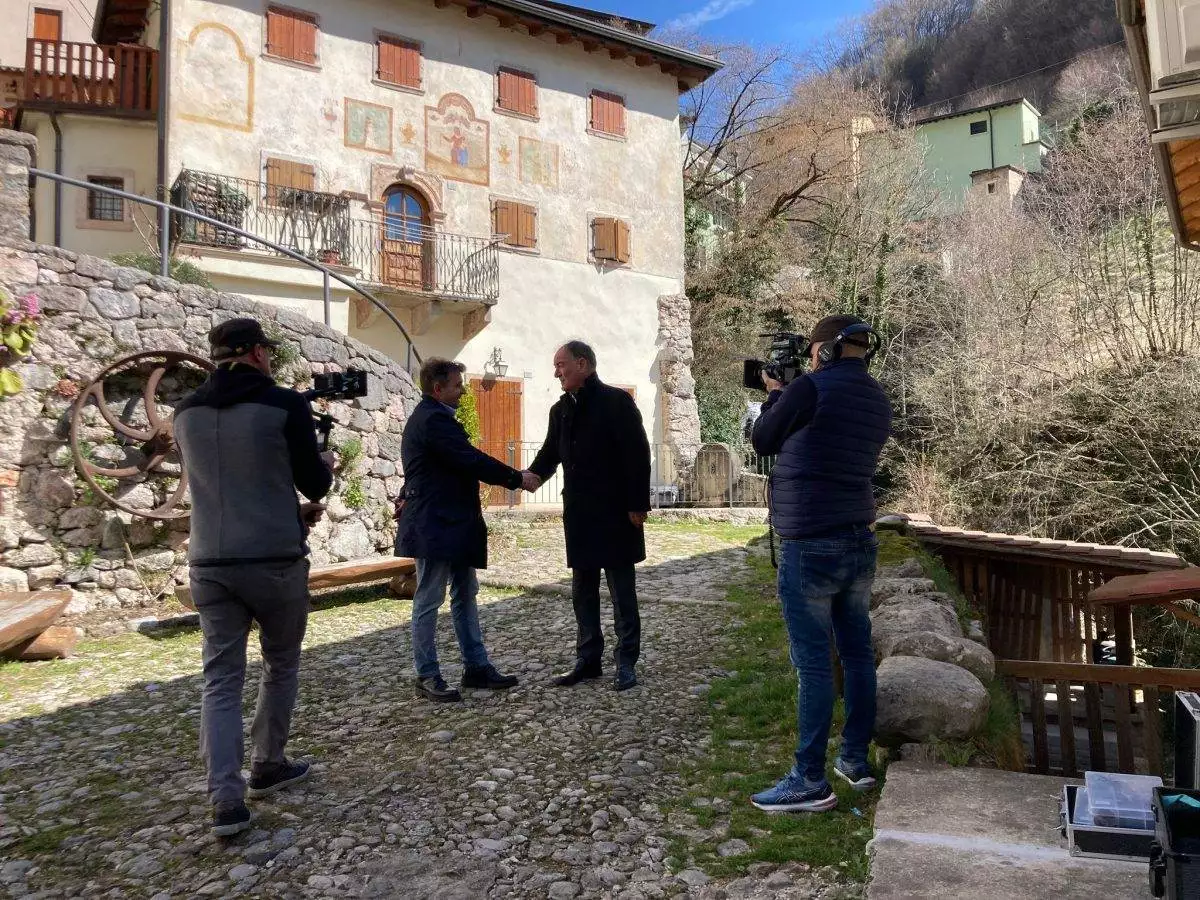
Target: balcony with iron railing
109, 79
389, 254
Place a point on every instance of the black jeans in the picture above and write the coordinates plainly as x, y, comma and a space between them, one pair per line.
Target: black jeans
585, 595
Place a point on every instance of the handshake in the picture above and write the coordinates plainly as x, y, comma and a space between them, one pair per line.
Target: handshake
530, 482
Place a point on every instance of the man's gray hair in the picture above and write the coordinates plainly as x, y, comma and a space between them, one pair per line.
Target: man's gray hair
580, 350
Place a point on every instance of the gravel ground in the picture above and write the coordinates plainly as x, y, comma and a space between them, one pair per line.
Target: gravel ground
536, 792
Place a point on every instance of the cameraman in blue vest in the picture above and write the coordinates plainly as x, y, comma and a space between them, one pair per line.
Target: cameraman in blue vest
827, 428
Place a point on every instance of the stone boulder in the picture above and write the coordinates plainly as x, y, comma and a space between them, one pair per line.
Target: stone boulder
884, 588
892, 622
910, 568
975, 658
921, 699
926, 596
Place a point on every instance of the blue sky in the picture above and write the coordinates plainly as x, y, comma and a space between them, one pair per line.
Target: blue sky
797, 23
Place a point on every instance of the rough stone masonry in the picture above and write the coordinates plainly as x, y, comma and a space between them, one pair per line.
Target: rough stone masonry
54, 532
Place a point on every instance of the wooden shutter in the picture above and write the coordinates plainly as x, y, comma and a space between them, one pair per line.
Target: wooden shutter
47, 25
516, 91
608, 113
399, 62
604, 238
283, 173
621, 230
291, 35
504, 220
526, 225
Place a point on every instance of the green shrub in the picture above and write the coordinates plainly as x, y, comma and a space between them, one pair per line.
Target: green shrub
468, 416
180, 269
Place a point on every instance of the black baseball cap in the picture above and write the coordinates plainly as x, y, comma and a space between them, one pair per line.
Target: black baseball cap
236, 338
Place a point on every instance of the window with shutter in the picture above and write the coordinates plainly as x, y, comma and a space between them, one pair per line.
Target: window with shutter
516, 92
608, 113
292, 35
604, 238
286, 179
398, 62
47, 25
517, 221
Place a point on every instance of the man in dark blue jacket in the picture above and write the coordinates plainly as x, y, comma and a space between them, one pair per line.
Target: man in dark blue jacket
828, 428
442, 527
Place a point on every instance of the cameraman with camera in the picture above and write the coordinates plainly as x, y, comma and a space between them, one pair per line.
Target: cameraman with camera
828, 428
248, 446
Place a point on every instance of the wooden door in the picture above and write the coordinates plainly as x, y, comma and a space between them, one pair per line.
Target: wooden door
406, 240
47, 25
498, 401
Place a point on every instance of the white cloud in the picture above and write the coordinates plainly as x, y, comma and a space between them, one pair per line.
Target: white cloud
709, 12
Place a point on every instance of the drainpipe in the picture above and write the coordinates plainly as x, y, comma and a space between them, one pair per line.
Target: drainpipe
991, 140
58, 170
164, 74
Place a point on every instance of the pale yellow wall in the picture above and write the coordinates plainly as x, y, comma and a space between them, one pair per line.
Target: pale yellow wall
95, 145
231, 106
273, 280
17, 19
544, 304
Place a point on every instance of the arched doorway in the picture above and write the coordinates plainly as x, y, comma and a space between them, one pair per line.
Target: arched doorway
407, 238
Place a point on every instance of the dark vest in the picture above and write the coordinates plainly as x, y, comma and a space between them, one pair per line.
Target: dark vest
821, 481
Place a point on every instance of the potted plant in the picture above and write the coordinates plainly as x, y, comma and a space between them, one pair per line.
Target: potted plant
330, 256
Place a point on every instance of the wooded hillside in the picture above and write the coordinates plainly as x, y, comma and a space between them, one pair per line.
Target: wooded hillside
925, 53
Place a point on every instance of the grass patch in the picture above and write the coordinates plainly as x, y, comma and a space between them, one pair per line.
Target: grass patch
754, 737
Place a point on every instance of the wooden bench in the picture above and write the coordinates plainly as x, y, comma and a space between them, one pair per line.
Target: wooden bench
25, 616
358, 571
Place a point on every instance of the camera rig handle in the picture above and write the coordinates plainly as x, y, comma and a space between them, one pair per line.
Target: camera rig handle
324, 425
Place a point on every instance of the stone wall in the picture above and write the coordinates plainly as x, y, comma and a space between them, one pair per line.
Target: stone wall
681, 414
54, 531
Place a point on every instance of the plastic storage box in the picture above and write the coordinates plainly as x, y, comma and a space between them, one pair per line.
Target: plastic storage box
1085, 838
1121, 801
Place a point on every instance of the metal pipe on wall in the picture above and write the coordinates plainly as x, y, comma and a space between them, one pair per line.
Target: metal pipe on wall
164, 73
58, 170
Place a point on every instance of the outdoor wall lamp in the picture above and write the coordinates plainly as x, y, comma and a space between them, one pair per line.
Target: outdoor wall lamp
496, 364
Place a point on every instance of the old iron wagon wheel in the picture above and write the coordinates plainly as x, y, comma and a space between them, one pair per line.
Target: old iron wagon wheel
155, 437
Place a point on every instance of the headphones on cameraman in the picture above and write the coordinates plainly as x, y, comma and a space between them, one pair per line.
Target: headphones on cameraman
832, 350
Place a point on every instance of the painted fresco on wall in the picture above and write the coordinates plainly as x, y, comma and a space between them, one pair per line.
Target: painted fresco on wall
539, 162
329, 112
408, 134
368, 126
504, 154
456, 143
216, 79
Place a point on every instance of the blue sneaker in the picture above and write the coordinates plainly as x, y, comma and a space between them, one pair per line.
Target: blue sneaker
795, 794
858, 776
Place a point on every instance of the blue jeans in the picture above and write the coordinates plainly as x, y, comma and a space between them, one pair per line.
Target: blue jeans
825, 586
432, 577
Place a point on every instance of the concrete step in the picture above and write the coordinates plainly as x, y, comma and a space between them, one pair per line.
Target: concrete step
942, 832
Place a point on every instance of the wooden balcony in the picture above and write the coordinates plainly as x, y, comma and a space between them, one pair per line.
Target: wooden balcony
66, 76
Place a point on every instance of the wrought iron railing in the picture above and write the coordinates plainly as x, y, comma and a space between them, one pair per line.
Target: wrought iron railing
174, 217
385, 252
715, 479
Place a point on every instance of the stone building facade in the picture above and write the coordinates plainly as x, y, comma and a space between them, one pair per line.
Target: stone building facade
54, 532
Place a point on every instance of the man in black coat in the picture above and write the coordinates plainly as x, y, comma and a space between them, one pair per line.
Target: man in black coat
442, 527
596, 434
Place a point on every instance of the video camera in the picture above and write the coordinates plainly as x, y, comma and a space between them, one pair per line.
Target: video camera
786, 357
346, 385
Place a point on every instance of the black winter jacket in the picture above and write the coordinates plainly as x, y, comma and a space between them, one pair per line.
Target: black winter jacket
828, 428
442, 517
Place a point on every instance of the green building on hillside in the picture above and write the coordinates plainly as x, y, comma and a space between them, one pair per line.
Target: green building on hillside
986, 150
